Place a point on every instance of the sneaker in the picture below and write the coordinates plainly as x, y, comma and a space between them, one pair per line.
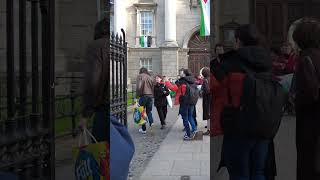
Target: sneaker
163, 127
142, 131
187, 138
193, 134
151, 124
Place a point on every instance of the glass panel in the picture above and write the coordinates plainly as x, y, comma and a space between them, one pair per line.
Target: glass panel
146, 23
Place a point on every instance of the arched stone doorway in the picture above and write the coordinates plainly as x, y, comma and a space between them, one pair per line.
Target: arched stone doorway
199, 53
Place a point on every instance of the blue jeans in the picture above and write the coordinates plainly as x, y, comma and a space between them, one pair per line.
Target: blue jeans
245, 157
186, 112
146, 101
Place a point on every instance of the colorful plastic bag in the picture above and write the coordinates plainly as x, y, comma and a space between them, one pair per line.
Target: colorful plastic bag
91, 160
140, 115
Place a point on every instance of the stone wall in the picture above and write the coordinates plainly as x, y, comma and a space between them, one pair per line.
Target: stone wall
134, 56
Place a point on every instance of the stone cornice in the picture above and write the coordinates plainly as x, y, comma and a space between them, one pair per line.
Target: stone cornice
150, 5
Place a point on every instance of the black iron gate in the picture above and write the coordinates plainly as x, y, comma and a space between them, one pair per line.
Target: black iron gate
118, 74
27, 131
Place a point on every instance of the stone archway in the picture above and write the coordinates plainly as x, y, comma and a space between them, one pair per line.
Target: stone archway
199, 53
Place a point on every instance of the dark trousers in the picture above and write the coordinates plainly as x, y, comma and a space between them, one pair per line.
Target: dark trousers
101, 125
195, 116
146, 101
245, 157
162, 112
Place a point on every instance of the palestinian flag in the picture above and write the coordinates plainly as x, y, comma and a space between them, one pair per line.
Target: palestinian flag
144, 41
205, 18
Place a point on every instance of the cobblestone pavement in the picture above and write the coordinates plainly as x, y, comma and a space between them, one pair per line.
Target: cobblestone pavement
147, 145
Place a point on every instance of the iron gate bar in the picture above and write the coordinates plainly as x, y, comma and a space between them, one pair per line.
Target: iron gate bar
117, 61
125, 89
22, 67
35, 63
10, 123
113, 55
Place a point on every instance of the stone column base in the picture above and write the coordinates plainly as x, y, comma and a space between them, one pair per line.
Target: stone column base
169, 61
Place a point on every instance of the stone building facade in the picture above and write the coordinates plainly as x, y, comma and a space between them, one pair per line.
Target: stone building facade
174, 28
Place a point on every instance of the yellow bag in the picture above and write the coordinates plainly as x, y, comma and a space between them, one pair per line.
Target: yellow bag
91, 160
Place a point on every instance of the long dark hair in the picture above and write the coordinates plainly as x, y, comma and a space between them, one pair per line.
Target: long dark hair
307, 34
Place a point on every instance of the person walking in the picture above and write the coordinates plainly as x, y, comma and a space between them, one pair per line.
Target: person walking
307, 38
229, 82
95, 79
186, 100
160, 100
144, 91
206, 98
105, 128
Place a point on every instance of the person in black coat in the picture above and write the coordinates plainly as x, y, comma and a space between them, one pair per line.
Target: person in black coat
206, 98
160, 100
307, 38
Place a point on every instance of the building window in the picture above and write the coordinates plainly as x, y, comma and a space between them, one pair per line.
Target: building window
146, 25
147, 63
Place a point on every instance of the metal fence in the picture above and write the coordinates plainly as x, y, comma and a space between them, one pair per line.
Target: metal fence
118, 74
27, 132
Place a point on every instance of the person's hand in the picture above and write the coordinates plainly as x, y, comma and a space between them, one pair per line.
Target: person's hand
83, 123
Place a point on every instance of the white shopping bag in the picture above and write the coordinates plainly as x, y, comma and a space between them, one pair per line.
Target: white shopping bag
169, 99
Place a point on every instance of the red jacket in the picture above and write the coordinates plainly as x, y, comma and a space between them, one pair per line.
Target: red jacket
180, 90
220, 98
226, 80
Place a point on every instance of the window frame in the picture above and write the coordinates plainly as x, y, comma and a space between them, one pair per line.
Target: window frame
147, 63
146, 24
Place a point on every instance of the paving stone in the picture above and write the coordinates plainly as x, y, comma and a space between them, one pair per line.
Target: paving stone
191, 168
158, 168
172, 156
205, 168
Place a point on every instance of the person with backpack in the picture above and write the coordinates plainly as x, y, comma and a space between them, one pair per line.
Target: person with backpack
187, 96
160, 100
307, 38
144, 91
248, 109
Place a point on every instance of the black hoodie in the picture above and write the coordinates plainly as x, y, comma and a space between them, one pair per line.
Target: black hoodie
186, 80
255, 58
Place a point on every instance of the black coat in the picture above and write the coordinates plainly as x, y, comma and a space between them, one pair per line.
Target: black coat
206, 99
160, 94
308, 117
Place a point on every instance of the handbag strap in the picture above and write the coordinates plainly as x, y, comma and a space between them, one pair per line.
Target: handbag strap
84, 135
